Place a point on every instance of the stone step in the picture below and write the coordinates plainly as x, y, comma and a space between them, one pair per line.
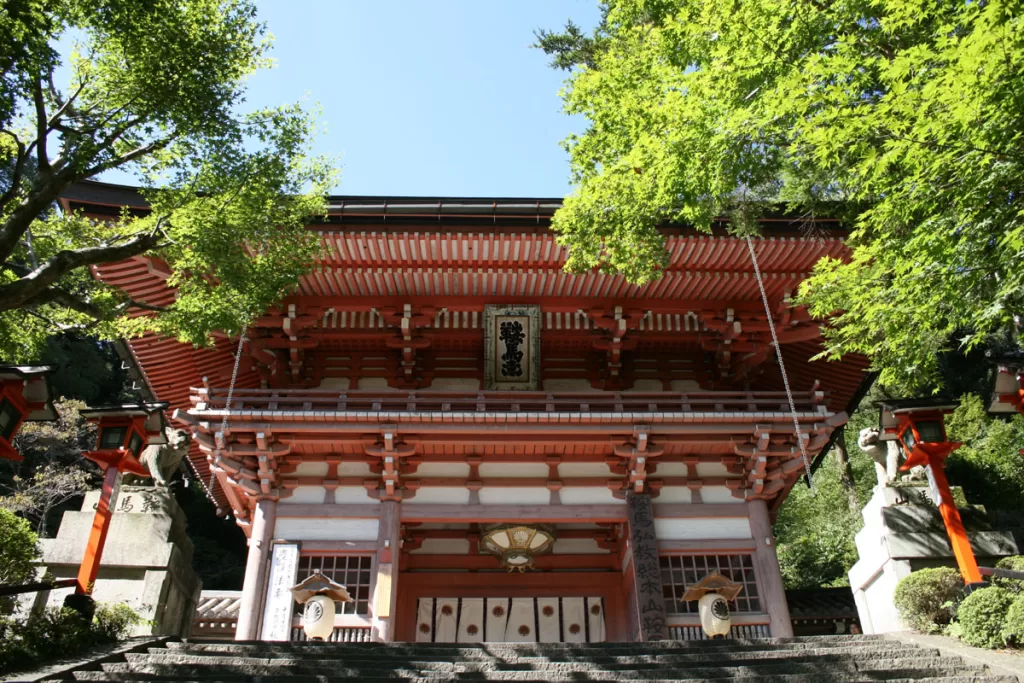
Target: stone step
725, 643
561, 660
880, 669
534, 660
817, 677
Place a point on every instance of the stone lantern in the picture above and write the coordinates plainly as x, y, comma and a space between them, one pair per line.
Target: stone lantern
918, 425
124, 430
24, 396
713, 594
318, 593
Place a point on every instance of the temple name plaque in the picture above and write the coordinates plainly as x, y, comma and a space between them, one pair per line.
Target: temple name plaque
277, 614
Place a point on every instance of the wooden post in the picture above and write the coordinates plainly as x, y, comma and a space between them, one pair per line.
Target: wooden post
385, 587
255, 583
650, 598
965, 559
766, 571
98, 535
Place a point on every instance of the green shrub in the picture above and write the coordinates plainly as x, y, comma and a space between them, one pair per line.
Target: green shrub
982, 614
58, 633
1013, 563
1013, 627
18, 549
926, 598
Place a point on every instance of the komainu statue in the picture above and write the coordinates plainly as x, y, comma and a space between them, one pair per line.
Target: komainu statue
163, 460
886, 454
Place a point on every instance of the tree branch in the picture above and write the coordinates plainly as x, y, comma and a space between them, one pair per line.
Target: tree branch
42, 121
127, 158
23, 291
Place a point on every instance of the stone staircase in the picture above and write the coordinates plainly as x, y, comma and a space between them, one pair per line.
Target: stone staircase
819, 659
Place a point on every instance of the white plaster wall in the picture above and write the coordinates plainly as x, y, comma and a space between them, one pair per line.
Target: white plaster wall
308, 529
584, 469
577, 546
702, 529
646, 385
442, 469
455, 384
513, 469
511, 495
674, 494
574, 385
669, 469
305, 494
352, 494
355, 469
719, 494
441, 495
311, 469
375, 383
685, 385
340, 383
711, 469
443, 546
587, 495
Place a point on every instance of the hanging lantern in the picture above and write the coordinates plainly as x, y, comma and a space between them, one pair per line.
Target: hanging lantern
919, 427
713, 594
517, 544
1008, 388
24, 396
318, 593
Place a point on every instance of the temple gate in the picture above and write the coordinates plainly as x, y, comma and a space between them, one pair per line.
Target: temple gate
438, 379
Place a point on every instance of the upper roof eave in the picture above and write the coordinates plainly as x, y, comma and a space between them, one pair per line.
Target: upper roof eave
419, 210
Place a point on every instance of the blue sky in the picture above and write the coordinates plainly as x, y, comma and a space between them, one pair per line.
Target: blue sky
427, 98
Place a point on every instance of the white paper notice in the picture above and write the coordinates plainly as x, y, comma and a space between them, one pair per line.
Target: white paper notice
277, 615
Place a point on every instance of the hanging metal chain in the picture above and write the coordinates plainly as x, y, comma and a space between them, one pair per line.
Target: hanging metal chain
234, 378
782, 365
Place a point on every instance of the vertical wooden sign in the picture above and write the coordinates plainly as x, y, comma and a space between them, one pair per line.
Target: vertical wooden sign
277, 612
650, 599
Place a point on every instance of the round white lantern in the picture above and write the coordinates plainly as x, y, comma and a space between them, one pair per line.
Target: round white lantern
318, 617
714, 615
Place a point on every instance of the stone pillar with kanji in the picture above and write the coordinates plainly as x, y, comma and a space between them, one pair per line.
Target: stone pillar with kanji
648, 592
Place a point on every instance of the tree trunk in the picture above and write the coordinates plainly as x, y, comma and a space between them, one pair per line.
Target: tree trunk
845, 471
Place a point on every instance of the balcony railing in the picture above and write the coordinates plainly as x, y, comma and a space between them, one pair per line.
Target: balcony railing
209, 398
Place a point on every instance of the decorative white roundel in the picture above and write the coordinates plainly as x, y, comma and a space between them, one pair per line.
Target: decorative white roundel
314, 612
720, 609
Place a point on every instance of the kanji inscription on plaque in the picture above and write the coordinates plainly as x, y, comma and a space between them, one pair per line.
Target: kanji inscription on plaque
512, 346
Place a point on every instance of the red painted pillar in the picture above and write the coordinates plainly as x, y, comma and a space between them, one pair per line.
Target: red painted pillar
98, 536
965, 559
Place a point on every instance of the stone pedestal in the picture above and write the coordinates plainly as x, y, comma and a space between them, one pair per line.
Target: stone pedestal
147, 560
903, 532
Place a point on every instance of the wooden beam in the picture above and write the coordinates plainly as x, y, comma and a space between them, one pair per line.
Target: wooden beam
316, 511
426, 561
698, 511
727, 546
413, 512
337, 547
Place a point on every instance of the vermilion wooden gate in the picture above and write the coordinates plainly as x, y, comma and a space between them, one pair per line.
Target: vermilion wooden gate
510, 620
553, 606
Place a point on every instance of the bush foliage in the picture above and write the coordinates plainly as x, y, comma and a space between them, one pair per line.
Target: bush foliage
982, 615
1013, 626
58, 633
1013, 563
926, 598
18, 549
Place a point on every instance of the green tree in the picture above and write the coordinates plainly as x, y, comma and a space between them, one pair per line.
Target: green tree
156, 88
54, 473
903, 116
